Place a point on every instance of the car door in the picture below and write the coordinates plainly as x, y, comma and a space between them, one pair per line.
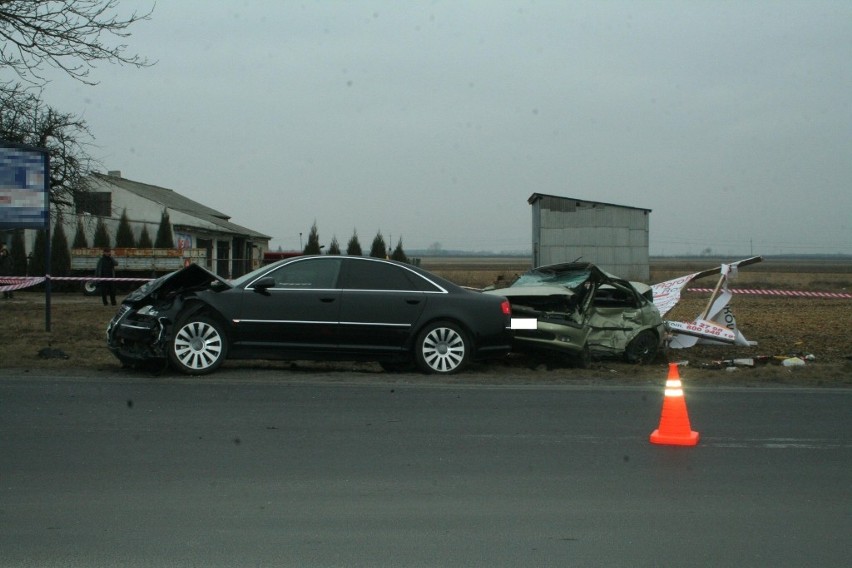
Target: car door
380, 304
614, 316
300, 309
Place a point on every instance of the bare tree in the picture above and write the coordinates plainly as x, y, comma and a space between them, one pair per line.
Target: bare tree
70, 35
25, 119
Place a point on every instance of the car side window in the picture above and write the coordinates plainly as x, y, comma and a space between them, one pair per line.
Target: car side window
308, 274
372, 275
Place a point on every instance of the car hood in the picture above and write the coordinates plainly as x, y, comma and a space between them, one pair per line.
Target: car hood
193, 277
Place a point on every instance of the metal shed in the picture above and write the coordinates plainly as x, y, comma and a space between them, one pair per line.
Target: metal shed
614, 237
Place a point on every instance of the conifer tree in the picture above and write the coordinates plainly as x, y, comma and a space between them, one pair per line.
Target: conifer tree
165, 238
354, 247
145, 238
60, 257
80, 240
18, 252
102, 238
313, 246
37, 259
334, 247
398, 253
124, 234
379, 249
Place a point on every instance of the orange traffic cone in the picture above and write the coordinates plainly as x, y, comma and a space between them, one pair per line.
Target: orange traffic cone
674, 427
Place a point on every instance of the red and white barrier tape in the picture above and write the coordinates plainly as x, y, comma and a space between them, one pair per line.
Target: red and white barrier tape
786, 293
90, 278
21, 282
16, 283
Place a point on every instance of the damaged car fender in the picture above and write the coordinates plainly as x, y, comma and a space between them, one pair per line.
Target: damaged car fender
144, 327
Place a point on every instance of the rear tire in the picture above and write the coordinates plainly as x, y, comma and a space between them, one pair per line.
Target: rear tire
199, 346
442, 348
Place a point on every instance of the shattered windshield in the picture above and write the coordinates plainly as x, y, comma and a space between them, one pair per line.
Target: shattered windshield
539, 277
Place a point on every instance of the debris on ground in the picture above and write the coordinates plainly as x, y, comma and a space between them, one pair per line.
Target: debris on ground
52, 353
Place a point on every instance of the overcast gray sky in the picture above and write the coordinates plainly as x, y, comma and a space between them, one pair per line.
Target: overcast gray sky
435, 121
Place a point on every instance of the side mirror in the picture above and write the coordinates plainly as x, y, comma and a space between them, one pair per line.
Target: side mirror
264, 283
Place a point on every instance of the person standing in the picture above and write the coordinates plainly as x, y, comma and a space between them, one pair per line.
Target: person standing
106, 269
5, 267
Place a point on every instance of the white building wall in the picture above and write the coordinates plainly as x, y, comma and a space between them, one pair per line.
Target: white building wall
142, 212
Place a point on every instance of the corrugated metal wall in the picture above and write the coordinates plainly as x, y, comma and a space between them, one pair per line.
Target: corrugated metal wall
611, 236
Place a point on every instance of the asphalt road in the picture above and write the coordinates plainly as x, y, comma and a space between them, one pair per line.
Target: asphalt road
251, 471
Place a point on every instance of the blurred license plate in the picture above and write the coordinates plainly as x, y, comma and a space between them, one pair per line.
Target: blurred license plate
524, 323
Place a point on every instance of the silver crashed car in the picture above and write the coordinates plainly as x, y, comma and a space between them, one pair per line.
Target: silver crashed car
581, 311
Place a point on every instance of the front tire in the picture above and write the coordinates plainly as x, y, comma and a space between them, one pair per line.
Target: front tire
642, 349
442, 348
583, 359
199, 346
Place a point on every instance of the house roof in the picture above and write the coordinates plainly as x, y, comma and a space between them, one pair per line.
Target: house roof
170, 199
539, 196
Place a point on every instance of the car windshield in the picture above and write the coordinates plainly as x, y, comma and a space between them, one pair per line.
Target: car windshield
539, 277
249, 276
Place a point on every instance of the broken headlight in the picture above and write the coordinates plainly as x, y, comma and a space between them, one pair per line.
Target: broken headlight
149, 311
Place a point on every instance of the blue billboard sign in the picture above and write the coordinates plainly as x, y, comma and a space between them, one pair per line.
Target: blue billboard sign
24, 188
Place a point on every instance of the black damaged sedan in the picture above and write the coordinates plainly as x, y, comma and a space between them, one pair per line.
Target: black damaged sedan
311, 307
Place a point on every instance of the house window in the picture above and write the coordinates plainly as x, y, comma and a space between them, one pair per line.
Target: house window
95, 203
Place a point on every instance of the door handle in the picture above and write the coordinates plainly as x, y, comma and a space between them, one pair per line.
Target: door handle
326, 300
412, 301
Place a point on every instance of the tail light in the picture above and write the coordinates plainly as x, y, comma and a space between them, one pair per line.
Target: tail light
506, 307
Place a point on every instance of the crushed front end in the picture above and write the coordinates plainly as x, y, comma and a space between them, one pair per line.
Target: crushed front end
142, 328
137, 335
